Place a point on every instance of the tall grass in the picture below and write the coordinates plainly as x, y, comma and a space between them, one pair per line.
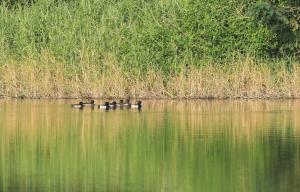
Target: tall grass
244, 78
61, 48
161, 34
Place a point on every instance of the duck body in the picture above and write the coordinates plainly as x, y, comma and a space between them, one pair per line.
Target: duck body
89, 104
138, 105
121, 104
79, 105
106, 106
127, 103
113, 105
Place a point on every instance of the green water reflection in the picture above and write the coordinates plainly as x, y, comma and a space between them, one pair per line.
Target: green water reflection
168, 146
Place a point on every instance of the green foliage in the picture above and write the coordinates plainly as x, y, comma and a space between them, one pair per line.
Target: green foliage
140, 34
15, 3
283, 19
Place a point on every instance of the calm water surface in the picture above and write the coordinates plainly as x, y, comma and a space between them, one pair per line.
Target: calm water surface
168, 146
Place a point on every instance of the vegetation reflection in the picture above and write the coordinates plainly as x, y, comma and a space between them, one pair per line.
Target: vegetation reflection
169, 146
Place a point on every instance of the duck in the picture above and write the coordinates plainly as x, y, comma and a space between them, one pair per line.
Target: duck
138, 105
127, 103
106, 106
78, 105
121, 103
91, 103
113, 105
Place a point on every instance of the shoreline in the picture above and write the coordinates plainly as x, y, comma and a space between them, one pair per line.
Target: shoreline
153, 98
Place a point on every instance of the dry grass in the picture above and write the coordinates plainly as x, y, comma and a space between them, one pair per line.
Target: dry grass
243, 79
49, 78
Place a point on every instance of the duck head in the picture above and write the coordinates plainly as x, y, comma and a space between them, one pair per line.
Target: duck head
114, 104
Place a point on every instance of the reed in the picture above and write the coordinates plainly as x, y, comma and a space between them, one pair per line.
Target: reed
245, 78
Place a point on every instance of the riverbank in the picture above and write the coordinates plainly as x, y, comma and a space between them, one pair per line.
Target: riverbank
149, 49
245, 78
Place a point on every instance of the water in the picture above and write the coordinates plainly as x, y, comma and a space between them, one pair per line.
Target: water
168, 146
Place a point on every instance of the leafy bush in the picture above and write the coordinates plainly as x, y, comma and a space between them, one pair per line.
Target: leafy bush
140, 34
283, 19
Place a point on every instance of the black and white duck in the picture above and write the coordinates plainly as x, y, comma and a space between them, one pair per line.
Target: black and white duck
105, 106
